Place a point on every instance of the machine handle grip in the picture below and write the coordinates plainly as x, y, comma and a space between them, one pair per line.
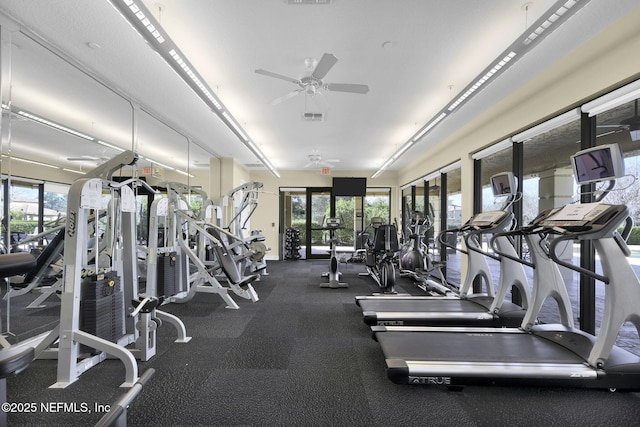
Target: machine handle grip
581, 270
442, 242
502, 254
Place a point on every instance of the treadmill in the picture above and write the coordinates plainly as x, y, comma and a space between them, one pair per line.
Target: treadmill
466, 309
540, 355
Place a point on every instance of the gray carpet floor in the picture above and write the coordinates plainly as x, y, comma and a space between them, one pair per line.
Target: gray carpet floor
301, 356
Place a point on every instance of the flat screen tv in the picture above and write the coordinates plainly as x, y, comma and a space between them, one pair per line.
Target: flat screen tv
504, 184
601, 163
349, 187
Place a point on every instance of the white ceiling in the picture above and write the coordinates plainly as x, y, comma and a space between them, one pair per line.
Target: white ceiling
433, 50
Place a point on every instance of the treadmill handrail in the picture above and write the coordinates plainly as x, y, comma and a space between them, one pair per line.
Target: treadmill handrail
442, 242
478, 232
511, 257
581, 270
614, 217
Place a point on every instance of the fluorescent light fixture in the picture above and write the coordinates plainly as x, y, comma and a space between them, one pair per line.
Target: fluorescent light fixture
402, 149
139, 16
185, 173
235, 126
550, 124
549, 21
113, 147
144, 20
33, 162
429, 127
54, 125
73, 171
159, 164
562, 11
195, 79
482, 80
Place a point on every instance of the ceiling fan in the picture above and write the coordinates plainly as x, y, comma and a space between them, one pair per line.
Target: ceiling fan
312, 83
315, 159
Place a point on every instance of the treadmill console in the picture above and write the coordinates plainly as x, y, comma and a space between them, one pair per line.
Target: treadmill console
333, 223
489, 219
581, 217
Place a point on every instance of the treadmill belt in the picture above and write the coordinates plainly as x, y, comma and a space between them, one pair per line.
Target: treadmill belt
432, 305
473, 347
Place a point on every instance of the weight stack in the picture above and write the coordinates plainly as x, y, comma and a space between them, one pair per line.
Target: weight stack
102, 307
167, 285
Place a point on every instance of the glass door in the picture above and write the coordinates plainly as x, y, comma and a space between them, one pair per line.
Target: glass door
319, 209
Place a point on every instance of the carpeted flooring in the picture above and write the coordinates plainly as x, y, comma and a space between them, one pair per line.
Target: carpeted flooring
301, 356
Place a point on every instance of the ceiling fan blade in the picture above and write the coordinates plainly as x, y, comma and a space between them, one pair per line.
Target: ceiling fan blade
325, 164
327, 61
277, 76
285, 97
347, 87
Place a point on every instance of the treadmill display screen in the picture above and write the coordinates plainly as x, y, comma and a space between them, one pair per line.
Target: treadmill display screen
503, 184
600, 163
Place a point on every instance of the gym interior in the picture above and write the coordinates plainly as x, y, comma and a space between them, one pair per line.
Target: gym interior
444, 237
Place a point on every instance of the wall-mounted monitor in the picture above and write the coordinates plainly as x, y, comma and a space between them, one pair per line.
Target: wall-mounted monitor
504, 184
349, 187
601, 163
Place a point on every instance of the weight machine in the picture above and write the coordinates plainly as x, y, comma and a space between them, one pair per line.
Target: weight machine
191, 241
101, 313
250, 250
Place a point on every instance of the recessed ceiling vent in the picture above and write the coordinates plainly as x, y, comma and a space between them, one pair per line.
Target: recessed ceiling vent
313, 117
308, 1
255, 165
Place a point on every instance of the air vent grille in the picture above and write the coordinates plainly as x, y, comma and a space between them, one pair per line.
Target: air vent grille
313, 117
308, 1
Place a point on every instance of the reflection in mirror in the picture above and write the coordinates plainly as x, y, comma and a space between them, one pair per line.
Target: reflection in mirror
5, 132
60, 113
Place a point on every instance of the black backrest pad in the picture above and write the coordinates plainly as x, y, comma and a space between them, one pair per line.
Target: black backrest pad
17, 263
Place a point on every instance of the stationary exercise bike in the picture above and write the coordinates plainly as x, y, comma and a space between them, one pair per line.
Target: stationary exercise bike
333, 224
380, 255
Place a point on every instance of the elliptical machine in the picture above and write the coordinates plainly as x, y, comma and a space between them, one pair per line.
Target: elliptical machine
381, 254
415, 261
413, 255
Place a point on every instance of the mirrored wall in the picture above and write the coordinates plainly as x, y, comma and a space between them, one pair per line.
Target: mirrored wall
60, 121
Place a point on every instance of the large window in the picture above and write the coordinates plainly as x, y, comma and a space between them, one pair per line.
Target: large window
548, 183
